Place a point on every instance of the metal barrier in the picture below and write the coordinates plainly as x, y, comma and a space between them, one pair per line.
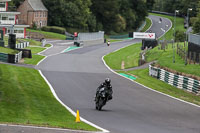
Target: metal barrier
181, 82
10, 58
195, 39
90, 36
119, 36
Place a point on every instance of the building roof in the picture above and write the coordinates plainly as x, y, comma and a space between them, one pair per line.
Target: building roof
4, 0
37, 5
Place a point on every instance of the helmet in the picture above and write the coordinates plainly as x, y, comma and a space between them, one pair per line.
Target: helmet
107, 81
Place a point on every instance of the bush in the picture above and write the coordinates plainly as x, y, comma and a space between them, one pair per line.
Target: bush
180, 36
34, 26
196, 26
54, 29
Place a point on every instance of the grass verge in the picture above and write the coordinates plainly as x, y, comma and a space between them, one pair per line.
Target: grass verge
35, 58
18, 40
165, 59
49, 35
35, 50
128, 55
8, 50
147, 26
48, 45
26, 99
32, 42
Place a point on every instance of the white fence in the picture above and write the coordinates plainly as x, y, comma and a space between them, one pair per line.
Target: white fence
18, 57
22, 45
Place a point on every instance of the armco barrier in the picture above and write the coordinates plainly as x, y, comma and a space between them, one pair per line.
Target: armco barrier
22, 45
11, 58
91, 38
18, 57
181, 82
3, 57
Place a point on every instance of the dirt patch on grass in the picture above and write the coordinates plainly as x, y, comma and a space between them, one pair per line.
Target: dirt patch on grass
123, 65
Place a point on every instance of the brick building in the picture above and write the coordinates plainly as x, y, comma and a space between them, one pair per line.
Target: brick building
33, 11
9, 21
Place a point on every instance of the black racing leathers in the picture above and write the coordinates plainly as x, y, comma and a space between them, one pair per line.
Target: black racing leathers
109, 90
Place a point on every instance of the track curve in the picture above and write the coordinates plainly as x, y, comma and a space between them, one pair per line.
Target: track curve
134, 109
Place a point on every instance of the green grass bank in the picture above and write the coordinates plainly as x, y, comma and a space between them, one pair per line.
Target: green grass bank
130, 57
26, 99
49, 35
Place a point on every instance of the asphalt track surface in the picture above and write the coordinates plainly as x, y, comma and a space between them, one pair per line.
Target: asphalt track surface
134, 109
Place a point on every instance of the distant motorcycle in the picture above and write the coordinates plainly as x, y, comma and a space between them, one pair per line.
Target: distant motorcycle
108, 43
101, 98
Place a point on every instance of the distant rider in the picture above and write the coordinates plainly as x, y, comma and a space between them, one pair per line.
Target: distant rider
108, 43
107, 86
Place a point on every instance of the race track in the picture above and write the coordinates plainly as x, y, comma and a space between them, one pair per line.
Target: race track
75, 76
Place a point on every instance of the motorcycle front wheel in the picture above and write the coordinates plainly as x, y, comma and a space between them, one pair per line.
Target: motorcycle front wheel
99, 104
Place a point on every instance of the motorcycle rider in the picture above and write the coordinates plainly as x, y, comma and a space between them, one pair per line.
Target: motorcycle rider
107, 86
108, 43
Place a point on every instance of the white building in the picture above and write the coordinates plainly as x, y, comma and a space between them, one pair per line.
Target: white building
9, 20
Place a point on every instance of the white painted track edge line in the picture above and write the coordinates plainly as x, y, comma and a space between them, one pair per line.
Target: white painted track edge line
47, 128
142, 84
168, 29
41, 60
45, 49
69, 109
151, 24
148, 87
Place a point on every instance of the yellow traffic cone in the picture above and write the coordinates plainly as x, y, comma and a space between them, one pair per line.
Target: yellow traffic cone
78, 117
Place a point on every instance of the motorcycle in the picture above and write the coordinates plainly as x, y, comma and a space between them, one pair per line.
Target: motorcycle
101, 98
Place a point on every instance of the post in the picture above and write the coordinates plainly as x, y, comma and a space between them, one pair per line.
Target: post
190, 57
173, 53
189, 9
199, 58
194, 57
186, 54
176, 11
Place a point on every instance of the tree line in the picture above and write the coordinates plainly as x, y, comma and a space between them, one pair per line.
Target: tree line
111, 16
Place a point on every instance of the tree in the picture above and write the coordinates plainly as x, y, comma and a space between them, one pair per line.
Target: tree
120, 24
16, 3
150, 4
196, 24
139, 7
180, 36
106, 13
171, 5
69, 13
128, 14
